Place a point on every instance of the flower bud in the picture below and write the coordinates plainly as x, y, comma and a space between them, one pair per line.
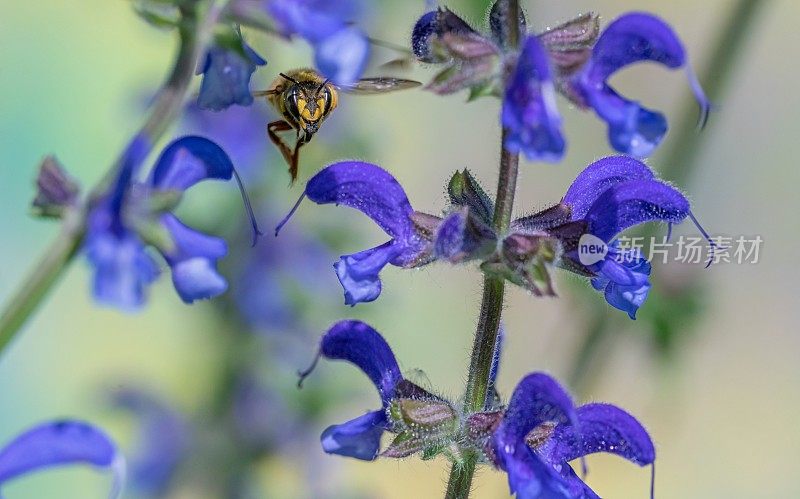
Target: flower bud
55, 189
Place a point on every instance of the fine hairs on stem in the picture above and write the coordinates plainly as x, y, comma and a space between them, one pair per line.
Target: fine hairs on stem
461, 474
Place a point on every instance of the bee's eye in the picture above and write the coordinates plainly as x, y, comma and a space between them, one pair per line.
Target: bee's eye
291, 103
324, 99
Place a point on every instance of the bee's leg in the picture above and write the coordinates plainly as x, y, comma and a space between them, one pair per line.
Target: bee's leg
294, 163
288, 154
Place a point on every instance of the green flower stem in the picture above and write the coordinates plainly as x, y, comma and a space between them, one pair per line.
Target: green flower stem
44, 275
678, 162
460, 481
167, 106
488, 324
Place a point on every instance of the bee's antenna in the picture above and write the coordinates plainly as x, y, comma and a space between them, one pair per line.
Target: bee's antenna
322, 85
289, 78
248, 207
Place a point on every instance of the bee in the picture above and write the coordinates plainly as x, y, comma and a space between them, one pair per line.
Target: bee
305, 99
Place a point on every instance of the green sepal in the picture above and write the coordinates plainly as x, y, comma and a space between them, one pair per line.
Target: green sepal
464, 190
424, 415
153, 232
56, 190
527, 261
431, 452
423, 421
486, 89
159, 202
404, 445
230, 38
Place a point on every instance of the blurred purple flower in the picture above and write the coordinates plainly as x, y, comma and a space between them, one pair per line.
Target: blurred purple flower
163, 441
134, 214
59, 443
541, 432
238, 130
274, 281
226, 74
341, 50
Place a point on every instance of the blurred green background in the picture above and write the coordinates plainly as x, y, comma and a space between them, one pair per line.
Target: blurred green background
723, 409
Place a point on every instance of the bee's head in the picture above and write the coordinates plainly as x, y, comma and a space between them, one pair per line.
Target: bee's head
309, 105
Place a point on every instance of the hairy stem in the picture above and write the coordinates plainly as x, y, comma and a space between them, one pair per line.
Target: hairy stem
680, 160
488, 324
460, 481
166, 108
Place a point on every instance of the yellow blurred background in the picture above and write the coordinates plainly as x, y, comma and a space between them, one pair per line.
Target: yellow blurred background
723, 410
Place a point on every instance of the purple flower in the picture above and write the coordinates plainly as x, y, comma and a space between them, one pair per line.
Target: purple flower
58, 443
429, 30
238, 130
573, 57
608, 197
631, 38
529, 113
541, 432
226, 75
378, 195
533, 439
421, 420
132, 215
359, 344
341, 50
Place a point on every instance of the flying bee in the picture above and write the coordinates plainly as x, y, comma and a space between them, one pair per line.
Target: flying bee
305, 99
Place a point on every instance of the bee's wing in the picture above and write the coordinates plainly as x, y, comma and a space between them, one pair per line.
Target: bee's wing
378, 85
